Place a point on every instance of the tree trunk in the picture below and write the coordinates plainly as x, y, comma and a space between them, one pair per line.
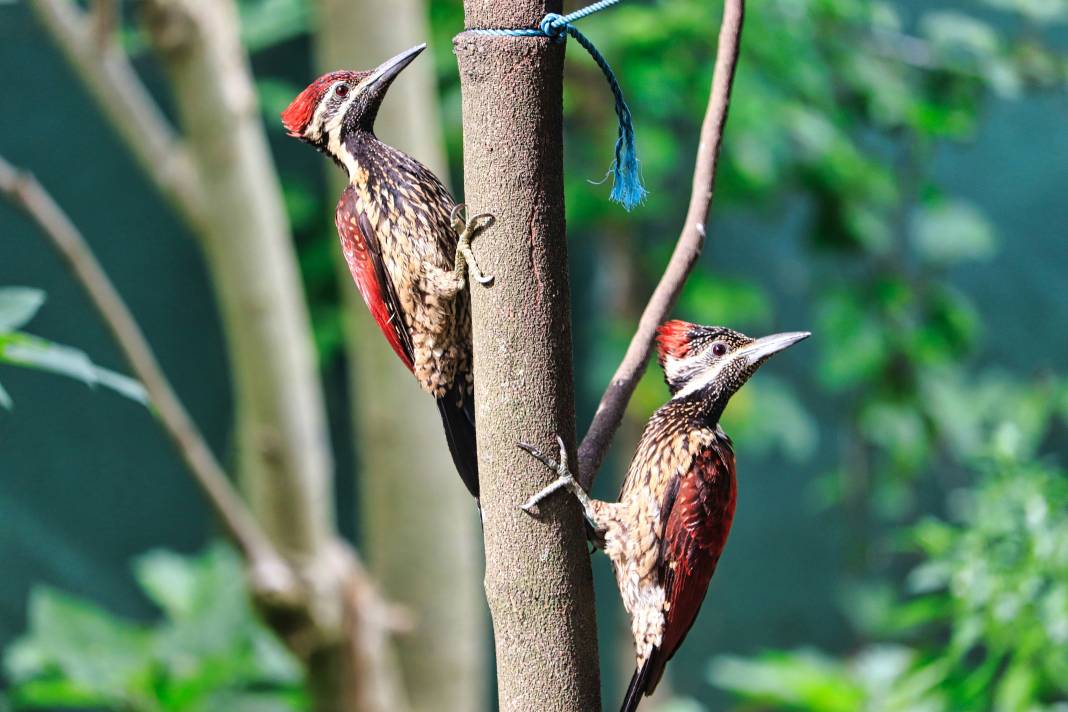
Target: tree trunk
538, 580
283, 449
219, 175
418, 525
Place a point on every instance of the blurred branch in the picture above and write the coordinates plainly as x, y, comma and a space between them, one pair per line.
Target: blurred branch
108, 75
23, 190
106, 19
367, 617
220, 176
688, 248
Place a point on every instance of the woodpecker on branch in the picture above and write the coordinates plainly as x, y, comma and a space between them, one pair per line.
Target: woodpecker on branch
405, 243
666, 533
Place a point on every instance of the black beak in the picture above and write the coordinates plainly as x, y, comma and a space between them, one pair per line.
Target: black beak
386, 72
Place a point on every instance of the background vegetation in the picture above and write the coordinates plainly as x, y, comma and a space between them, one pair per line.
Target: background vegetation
893, 180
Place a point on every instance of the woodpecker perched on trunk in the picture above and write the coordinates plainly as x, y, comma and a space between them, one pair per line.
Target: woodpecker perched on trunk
405, 244
666, 533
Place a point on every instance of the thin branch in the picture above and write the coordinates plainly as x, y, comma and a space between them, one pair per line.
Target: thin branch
109, 76
688, 248
106, 21
23, 191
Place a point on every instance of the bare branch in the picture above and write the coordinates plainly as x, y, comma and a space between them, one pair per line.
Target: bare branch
688, 248
23, 190
106, 19
109, 76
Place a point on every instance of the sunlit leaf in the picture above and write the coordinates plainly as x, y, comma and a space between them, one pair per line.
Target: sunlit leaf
951, 231
805, 679
33, 352
18, 305
97, 654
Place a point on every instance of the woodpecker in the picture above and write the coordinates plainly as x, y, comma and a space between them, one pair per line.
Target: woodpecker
665, 535
407, 247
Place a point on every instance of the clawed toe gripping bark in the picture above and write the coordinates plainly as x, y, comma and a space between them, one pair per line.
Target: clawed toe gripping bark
565, 480
467, 230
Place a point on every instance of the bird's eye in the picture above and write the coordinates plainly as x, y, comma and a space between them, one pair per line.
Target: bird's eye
719, 348
342, 90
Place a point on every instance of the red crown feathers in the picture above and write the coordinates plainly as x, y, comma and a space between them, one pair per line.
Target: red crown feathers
300, 111
673, 339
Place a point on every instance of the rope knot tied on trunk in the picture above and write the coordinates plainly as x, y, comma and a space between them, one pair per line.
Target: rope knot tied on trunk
627, 188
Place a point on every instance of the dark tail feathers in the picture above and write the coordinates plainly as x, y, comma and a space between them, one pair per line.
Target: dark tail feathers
636, 689
459, 423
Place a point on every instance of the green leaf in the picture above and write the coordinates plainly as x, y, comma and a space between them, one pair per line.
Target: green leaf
212, 639
33, 352
804, 679
1039, 11
58, 692
952, 231
681, 704
170, 580
5, 399
18, 305
275, 95
792, 429
96, 654
265, 23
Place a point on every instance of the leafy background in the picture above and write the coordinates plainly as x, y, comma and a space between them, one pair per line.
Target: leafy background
893, 179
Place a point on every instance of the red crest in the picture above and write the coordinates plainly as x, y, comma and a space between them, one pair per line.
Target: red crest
300, 111
673, 339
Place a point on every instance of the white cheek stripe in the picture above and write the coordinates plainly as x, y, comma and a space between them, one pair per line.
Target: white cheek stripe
705, 378
315, 129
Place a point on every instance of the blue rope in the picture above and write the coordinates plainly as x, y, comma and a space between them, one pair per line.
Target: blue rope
627, 188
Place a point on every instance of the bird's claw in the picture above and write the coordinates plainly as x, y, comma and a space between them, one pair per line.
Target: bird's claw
565, 480
466, 230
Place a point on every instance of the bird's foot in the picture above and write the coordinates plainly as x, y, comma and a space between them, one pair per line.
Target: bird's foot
466, 230
565, 480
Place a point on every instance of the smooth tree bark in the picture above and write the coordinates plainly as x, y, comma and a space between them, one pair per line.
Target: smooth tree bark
419, 527
283, 448
538, 580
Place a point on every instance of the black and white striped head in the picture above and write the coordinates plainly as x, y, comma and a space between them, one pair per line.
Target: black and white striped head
340, 103
713, 362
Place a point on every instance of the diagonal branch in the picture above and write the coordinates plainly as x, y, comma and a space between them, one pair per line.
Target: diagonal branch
688, 248
23, 190
92, 48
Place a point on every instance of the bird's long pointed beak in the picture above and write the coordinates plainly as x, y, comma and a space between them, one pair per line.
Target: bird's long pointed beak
767, 346
386, 72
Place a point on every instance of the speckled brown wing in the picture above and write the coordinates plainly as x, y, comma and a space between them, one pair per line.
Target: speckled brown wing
363, 255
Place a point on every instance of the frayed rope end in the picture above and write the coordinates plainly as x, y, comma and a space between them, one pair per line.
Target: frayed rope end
627, 188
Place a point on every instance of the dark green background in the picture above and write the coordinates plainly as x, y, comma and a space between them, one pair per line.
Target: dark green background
87, 481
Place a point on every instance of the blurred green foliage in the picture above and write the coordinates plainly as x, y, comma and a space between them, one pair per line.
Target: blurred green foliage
208, 652
18, 306
984, 625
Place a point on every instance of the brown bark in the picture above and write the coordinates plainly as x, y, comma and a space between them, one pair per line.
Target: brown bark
430, 563
538, 580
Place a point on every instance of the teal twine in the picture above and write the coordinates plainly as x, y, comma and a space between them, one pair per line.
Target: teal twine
627, 188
